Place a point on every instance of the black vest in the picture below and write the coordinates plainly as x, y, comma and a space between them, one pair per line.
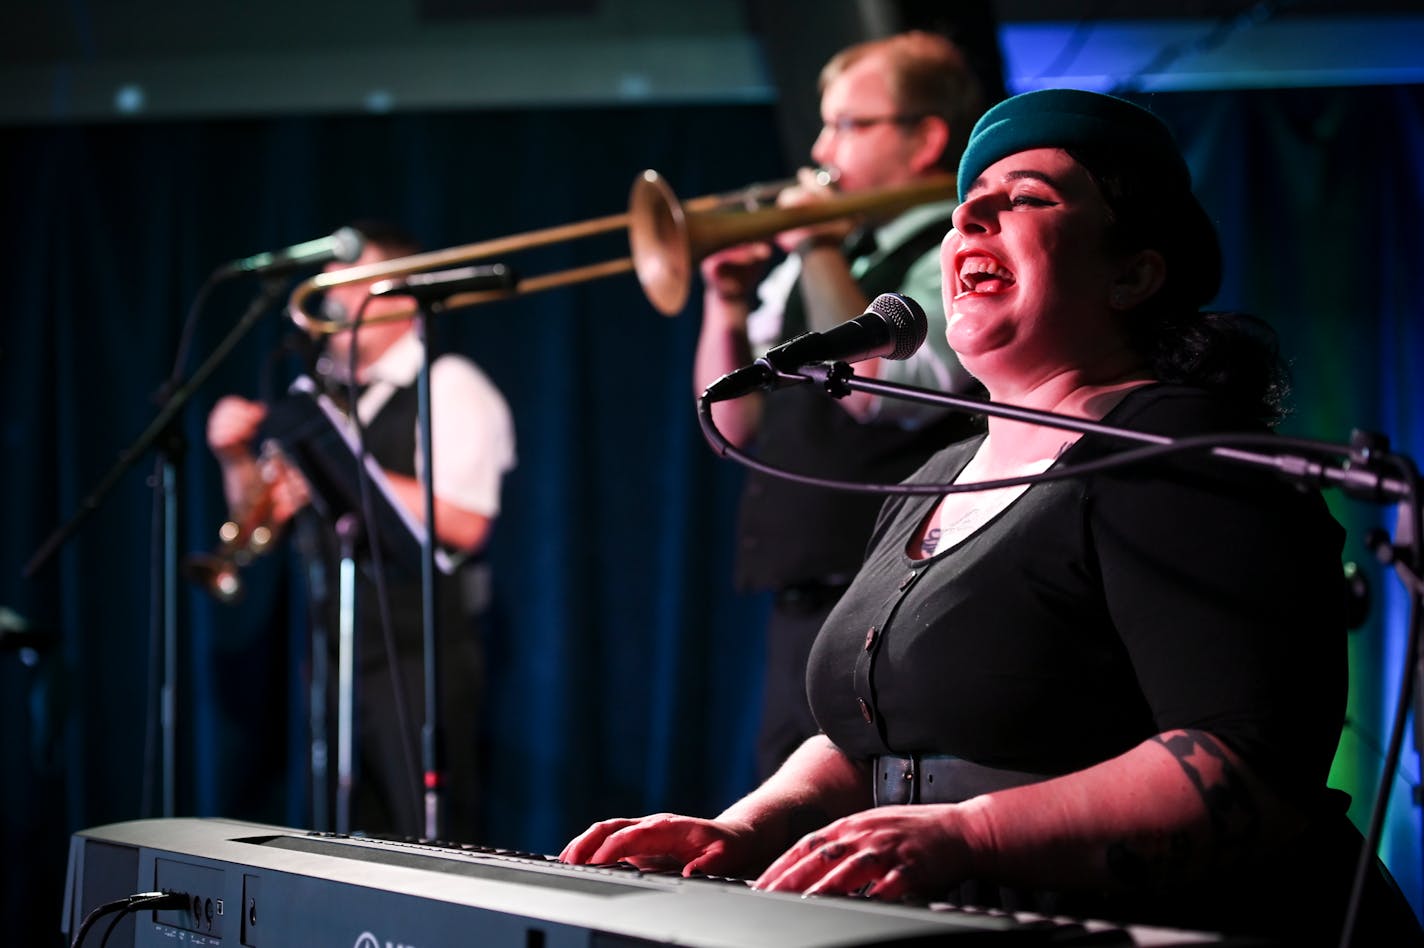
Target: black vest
390, 439
791, 533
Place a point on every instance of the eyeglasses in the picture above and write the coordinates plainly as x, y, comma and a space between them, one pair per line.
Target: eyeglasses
843, 124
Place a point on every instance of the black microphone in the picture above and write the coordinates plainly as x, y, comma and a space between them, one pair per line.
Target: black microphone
892, 327
443, 284
344, 246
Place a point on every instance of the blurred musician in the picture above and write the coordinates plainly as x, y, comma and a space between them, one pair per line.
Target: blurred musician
895, 112
473, 447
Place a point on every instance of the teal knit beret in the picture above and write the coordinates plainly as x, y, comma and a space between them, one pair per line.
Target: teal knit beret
1134, 137
1069, 118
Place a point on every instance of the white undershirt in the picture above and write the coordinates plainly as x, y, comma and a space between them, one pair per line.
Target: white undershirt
471, 425
960, 515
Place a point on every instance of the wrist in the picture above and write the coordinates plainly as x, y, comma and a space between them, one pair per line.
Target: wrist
769, 833
816, 242
730, 297
725, 288
234, 455
973, 822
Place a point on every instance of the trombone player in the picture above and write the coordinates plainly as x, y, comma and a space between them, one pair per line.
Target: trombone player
473, 448
895, 111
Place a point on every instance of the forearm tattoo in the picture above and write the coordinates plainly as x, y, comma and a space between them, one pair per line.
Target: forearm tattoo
1228, 800
1234, 817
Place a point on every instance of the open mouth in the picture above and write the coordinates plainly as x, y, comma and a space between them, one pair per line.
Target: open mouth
979, 273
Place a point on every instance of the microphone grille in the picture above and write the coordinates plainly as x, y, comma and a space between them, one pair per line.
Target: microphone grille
907, 322
347, 244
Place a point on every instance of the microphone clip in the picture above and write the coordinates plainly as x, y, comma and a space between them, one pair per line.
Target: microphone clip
438, 286
833, 377
762, 376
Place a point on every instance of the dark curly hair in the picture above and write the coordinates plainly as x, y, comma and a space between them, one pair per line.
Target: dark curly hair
1235, 355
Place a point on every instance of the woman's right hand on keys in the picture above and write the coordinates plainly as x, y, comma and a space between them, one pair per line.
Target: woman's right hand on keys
669, 841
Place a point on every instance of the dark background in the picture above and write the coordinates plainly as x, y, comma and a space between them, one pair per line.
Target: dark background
623, 667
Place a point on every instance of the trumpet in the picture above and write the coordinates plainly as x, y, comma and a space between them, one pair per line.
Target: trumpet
666, 237
240, 540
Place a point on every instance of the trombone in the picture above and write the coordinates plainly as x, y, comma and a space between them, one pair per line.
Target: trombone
666, 237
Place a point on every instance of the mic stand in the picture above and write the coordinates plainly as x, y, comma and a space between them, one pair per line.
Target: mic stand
163, 616
348, 531
166, 484
430, 292
1362, 477
319, 687
432, 743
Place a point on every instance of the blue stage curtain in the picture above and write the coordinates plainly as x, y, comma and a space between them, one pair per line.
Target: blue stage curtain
623, 668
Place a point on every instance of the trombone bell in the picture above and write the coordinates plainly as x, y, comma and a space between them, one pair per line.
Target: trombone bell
660, 242
668, 238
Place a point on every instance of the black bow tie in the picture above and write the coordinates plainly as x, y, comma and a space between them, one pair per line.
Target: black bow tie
341, 394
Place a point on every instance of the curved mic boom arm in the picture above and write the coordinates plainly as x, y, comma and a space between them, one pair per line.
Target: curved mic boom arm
1363, 477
